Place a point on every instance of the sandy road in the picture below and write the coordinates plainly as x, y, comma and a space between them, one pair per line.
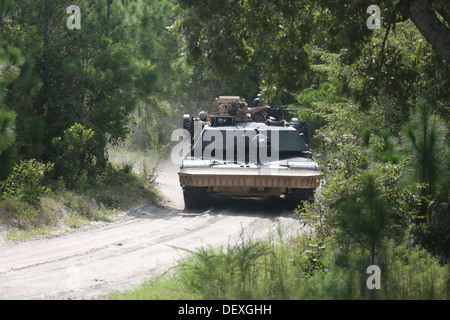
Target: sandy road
142, 243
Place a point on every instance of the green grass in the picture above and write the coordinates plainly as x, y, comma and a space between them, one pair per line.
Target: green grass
297, 268
164, 288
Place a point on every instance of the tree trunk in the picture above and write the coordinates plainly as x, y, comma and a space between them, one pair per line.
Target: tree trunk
108, 9
434, 31
108, 15
45, 79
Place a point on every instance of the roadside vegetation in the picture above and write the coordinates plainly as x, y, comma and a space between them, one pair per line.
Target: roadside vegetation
26, 213
80, 108
66, 98
299, 267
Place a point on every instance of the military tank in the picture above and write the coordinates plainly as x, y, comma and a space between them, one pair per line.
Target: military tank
238, 151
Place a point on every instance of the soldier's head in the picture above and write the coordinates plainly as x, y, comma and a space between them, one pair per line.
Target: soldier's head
258, 102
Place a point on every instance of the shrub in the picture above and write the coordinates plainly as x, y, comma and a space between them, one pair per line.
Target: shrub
76, 160
406, 273
26, 182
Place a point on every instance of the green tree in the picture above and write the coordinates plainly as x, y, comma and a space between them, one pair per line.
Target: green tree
7, 129
424, 139
11, 61
226, 36
95, 76
364, 216
7, 139
6, 8
403, 61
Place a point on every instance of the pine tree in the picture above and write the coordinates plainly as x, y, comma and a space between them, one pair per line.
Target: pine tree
11, 60
424, 139
364, 219
365, 216
7, 129
6, 9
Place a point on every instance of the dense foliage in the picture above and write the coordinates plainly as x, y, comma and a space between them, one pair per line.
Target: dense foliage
377, 101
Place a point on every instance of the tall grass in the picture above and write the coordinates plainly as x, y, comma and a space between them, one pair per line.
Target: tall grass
294, 268
234, 273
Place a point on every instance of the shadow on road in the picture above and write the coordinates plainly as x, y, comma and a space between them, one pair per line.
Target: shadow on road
267, 207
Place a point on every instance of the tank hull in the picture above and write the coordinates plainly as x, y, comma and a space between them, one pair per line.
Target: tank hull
249, 181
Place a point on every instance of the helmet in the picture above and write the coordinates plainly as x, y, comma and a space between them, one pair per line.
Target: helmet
257, 100
202, 115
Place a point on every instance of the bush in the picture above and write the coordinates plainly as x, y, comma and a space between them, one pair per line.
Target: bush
26, 182
76, 160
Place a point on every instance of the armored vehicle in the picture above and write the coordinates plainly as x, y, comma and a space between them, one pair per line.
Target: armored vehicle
240, 151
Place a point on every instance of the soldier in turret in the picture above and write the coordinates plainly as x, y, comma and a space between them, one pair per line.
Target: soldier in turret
259, 112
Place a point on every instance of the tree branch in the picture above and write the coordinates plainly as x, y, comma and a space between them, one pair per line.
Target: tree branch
384, 40
443, 7
431, 27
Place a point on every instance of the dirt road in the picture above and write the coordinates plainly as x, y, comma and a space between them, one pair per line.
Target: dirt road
142, 243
